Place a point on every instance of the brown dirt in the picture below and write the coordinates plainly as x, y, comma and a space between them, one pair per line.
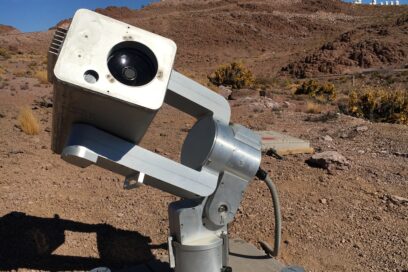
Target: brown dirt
332, 221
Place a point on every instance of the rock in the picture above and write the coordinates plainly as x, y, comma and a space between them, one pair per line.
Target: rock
44, 102
400, 154
344, 135
258, 104
329, 160
361, 128
15, 151
287, 104
47, 166
224, 91
327, 138
323, 201
2, 115
243, 94
397, 200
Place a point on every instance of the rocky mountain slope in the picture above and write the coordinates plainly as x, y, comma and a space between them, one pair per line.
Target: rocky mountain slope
266, 35
380, 45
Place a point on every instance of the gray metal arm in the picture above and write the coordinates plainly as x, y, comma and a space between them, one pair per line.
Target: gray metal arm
196, 100
88, 145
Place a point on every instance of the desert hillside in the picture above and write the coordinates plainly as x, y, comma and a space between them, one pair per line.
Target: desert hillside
267, 35
325, 71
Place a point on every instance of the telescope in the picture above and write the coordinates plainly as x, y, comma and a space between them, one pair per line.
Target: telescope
110, 79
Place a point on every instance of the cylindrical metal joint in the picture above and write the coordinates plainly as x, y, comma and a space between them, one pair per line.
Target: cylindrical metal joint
221, 147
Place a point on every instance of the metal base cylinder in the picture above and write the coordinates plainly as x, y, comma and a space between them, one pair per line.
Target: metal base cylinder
206, 256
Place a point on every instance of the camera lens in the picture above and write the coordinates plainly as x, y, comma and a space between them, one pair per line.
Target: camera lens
132, 63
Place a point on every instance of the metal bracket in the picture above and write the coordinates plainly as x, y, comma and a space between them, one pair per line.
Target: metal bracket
196, 100
88, 145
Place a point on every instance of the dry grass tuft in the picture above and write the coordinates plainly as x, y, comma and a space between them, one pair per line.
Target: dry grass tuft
42, 76
20, 73
312, 107
28, 122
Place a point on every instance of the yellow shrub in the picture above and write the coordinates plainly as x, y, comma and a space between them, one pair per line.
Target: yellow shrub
320, 92
379, 105
4, 53
28, 122
20, 73
312, 107
42, 76
234, 74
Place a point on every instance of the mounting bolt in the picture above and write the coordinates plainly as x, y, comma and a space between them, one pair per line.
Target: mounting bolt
222, 208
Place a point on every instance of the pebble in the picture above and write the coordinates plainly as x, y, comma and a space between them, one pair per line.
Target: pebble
323, 201
327, 138
361, 128
398, 200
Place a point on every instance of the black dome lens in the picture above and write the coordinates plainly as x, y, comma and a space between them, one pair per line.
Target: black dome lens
132, 63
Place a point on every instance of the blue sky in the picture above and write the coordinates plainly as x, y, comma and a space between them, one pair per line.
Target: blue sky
38, 15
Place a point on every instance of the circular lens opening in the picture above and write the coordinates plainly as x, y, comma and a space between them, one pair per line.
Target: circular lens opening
132, 63
91, 76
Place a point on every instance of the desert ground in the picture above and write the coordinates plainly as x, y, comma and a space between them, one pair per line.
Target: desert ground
55, 216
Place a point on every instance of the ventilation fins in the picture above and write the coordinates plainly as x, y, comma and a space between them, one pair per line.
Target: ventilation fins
54, 50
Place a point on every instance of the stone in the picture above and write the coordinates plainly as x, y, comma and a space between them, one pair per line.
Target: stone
323, 201
261, 103
224, 91
15, 151
44, 102
361, 128
398, 200
327, 138
344, 135
243, 94
330, 160
401, 154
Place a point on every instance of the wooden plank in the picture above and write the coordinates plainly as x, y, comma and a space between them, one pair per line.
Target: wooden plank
283, 144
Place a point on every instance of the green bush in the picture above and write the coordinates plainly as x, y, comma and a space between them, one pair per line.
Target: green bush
321, 92
379, 105
234, 74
